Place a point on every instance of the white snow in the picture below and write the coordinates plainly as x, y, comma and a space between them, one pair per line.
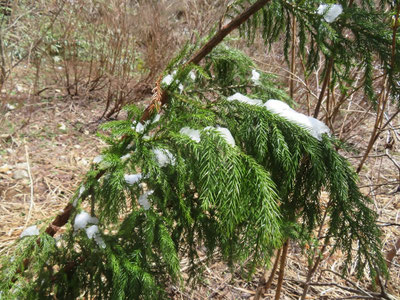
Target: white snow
132, 178
180, 87
156, 118
318, 128
224, 133
329, 12
255, 76
315, 127
144, 201
93, 232
98, 159
81, 191
125, 157
194, 134
192, 75
30, 231
167, 80
244, 99
82, 219
139, 127
10, 106
164, 157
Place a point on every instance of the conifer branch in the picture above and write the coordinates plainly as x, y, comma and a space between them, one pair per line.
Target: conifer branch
160, 97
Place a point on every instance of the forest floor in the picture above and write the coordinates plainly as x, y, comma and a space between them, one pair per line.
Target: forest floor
46, 147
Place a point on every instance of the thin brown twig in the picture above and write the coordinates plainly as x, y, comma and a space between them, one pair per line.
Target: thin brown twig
282, 270
32, 203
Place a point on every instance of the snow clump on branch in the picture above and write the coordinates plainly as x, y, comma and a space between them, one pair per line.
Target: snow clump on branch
93, 232
30, 231
144, 201
194, 134
82, 189
164, 157
244, 99
98, 159
224, 133
82, 219
329, 12
167, 80
315, 127
132, 178
255, 76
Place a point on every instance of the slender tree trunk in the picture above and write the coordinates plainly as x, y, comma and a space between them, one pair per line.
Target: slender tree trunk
293, 58
282, 270
264, 285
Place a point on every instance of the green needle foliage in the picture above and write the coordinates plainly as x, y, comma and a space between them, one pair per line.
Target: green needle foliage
229, 177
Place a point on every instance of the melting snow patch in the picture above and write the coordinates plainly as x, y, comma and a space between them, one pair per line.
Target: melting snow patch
82, 219
315, 127
167, 80
144, 201
10, 106
93, 232
224, 133
139, 127
156, 118
132, 178
329, 12
98, 159
192, 133
125, 157
244, 99
164, 157
255, 76
81, 191
30, 231
192, 75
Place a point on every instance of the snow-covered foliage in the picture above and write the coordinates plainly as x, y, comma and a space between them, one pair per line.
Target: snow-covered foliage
132, 178
93, 232
315, 127
194, 134
125, 157
244, 99
82, 219
144, 199
224, 133
180, 87
330, 11
98, 159
156, 118
167, 80
255, 76
139, 127
164, 157
192, 75
30, 231
82, 189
